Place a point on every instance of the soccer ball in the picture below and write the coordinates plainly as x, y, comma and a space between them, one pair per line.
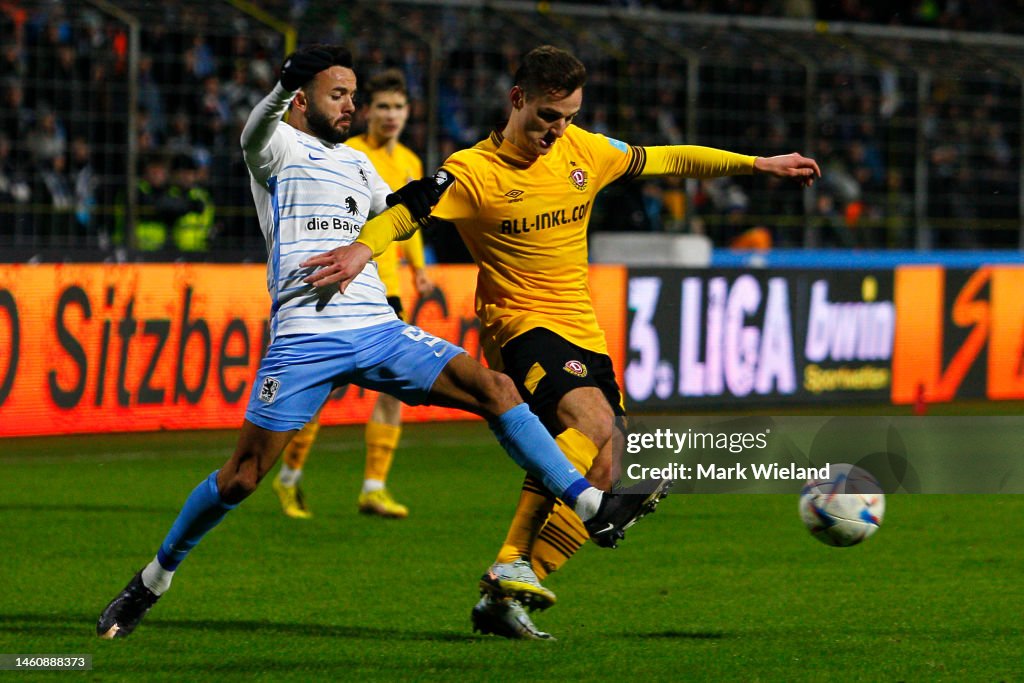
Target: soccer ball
844, 509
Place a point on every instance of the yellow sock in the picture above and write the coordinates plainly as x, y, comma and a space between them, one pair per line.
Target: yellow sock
381, 442
297, 450
535, 502
563, 534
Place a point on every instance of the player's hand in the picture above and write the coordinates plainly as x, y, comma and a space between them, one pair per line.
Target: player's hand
420, 196
424, 285
794, 165
299, 68
341, 265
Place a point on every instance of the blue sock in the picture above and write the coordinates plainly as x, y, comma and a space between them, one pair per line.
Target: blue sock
202, 511
524, 438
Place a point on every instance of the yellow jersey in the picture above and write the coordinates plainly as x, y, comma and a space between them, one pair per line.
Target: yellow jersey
524, 219
397, 168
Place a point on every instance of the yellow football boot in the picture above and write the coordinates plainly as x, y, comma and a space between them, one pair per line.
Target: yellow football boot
293, 503
381, 503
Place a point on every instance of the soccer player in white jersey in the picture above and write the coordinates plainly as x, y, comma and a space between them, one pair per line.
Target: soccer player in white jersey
313, 194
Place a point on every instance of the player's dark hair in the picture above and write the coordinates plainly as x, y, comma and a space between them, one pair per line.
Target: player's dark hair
550, 70
340, 55
389, 80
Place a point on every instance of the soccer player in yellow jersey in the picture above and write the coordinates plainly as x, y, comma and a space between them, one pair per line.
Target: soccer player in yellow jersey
521, 200
386, 114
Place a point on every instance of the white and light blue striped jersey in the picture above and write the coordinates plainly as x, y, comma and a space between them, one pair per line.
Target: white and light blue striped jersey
311, 197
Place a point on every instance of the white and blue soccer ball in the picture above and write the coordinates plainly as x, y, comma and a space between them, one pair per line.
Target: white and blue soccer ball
844, 509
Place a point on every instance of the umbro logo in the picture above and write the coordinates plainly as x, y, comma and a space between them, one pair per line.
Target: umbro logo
514, 196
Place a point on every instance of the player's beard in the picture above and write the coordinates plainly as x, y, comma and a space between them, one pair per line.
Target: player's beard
321, 126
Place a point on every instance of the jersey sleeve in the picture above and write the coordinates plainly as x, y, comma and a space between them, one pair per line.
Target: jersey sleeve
263, 138
459, 202
380, 231
693, 161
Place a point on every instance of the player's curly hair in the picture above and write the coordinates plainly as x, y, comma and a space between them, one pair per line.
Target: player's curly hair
550, 70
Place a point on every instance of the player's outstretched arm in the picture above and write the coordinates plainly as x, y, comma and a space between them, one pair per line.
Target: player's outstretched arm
342, 264
695, 161
794, 165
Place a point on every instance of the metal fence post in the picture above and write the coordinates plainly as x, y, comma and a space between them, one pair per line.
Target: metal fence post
131, 170
923, 234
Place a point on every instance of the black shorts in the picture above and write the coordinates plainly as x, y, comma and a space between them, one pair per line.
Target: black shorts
563, 366
396, 304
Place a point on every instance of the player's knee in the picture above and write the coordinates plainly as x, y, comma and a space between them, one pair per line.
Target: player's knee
598, 426
498, 392
235, 486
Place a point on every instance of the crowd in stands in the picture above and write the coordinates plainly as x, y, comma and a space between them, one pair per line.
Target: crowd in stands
977, 15
64, 114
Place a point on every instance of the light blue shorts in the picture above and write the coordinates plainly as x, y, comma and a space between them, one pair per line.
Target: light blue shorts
299, 371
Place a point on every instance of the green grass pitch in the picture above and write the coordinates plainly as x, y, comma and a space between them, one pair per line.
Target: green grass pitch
726, 587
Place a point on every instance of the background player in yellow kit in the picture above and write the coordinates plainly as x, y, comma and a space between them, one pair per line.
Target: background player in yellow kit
386, 113
522, 200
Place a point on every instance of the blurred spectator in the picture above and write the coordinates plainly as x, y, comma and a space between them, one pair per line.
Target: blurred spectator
454, 111
675, 203
193, 230
44, 48
239, 95
830, 224
726, 201
107, 116
47, 139
16, 118
12, 60
54, 201
179, 134
149, 96
199, 59
214, 114
159, 209
15, 195
85, 186
148, 138
237, 232
65, 91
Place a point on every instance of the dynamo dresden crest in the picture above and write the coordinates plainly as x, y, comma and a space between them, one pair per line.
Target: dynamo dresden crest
574, 367
578, 178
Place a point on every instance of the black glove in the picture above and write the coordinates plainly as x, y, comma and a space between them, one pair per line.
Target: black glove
420, 196
300, 67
